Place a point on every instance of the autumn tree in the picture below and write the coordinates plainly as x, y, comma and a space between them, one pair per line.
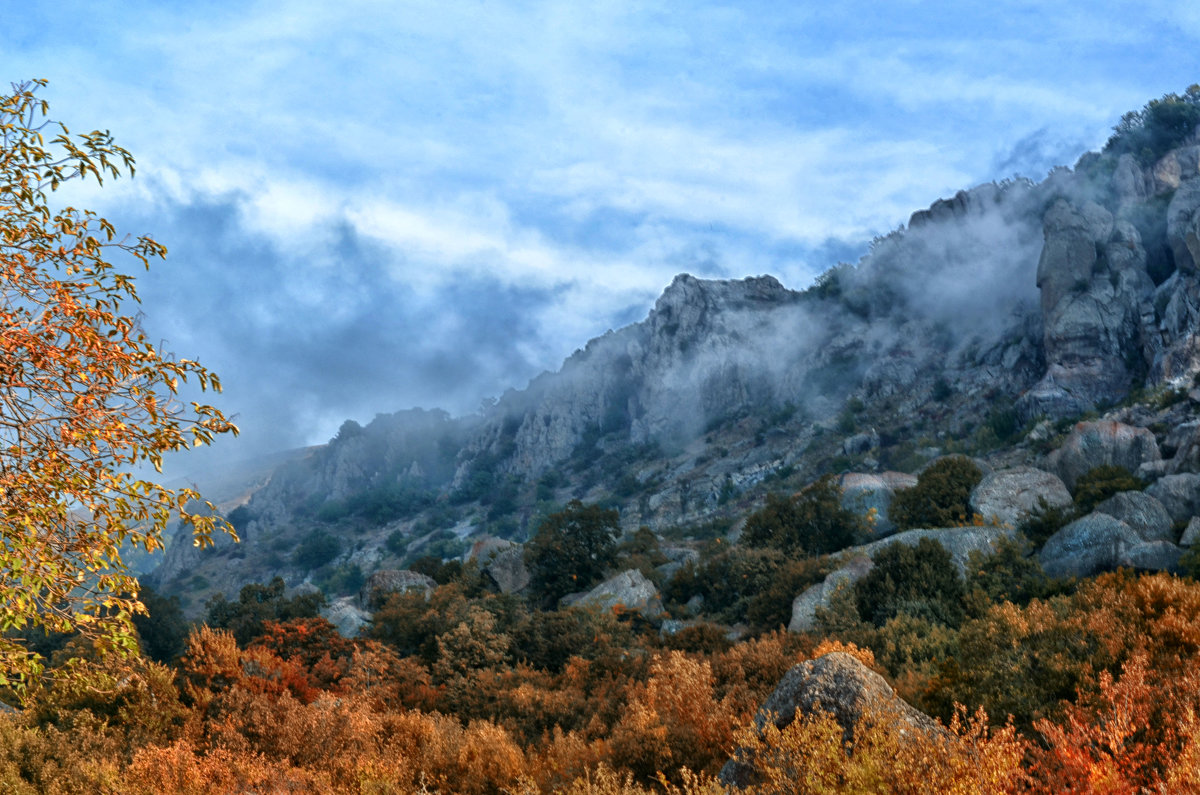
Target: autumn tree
85, 399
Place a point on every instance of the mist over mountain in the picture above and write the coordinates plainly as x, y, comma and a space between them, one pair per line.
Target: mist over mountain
1004, 306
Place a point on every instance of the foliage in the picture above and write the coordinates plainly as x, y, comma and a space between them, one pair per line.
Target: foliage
812, 522
1045, 520
941, 497
84, 398
1158, 127
316, 549
162, 629
1102, 482
258, 604
571, 550
915, 580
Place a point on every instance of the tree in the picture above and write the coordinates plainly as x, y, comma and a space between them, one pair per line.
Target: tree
85, 400
941, 498
813, 522
571, 550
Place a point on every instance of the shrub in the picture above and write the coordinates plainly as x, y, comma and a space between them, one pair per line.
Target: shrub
812, 522
571, 550
941, 497
1101, 483
317, 549
919, 581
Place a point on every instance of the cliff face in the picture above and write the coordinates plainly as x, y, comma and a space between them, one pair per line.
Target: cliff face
1003, 304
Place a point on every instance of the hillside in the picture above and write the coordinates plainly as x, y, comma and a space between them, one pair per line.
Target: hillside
1003, 306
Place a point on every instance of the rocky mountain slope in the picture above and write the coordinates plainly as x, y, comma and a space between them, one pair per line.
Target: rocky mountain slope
976, 327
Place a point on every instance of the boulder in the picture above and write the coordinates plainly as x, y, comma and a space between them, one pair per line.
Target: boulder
1179, 494
1184, 441
960, 542
1103, 443
1191, 533
804, 606
1153, 556
1087, 546
385, 582
1010, 496
346, 616
503, 562
1144, 514
865, 492
839, 685
629, 590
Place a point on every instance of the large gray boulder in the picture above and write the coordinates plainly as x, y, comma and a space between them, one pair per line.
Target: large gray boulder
629, 590
865, 493
1144, 514
503, 562
1179, 494
960, 542
1102, 443
1010, 496
385, 582
347, 617
839, 685
1087, 546
1153, 556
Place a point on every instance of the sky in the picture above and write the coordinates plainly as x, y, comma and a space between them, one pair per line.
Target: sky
371, 206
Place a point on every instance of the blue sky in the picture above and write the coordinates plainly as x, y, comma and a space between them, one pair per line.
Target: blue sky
375, 205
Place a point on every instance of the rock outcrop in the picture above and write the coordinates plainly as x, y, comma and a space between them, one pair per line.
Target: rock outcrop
960, 542
382, 584
1088, 546
503, 562
1010, 496
1145, 515
628, 591
1094, 444
841, 686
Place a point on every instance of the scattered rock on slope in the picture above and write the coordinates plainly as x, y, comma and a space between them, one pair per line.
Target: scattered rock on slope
1094, 444
1010, 496
839, 685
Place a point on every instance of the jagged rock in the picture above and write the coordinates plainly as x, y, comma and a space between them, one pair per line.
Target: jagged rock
1093, 444
1091, 308
1087, 546
629, 590
960, 542
1129, 181
1184, 440
1142, 512
866, 492
1175, 168
385, 582
346, 616
503, 562
1179, 494
840, 686
1191, 534
1182, 215
1153, 556
1010, 496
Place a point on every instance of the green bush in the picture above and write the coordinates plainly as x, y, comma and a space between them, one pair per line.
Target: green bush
812, 522
571, 550
1157, 128
1101, 483
941, 497
317, 549
918, 581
